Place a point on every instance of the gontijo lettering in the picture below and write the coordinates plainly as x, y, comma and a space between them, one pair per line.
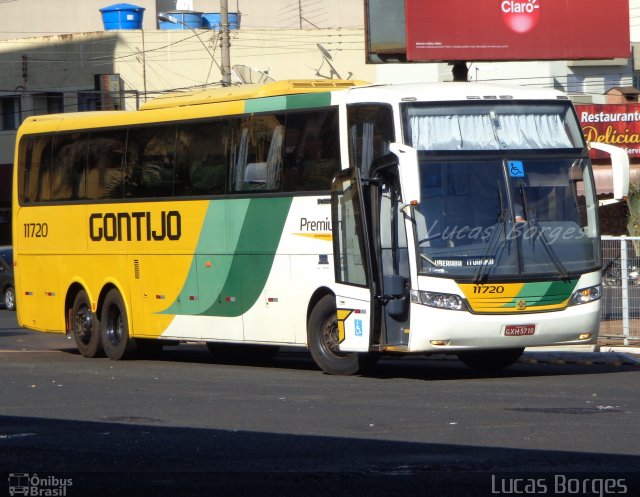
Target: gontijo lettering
135, 226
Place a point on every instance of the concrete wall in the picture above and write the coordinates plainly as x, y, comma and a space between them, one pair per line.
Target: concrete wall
29, 18
150, 63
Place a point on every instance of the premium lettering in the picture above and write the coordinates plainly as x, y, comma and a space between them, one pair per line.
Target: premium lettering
135, 226
314, 225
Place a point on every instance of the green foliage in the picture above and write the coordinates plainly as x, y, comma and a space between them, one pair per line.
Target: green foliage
633, 202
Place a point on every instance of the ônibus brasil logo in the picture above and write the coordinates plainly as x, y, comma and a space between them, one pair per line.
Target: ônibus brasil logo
520, 16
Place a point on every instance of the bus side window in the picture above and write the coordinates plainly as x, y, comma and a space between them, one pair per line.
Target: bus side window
30, 157
150, 161
201, 158
68, 166
105, 175
370, 133
257, 153
34, 185
312, 151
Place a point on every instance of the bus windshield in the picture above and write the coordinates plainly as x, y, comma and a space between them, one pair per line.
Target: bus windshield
504, 194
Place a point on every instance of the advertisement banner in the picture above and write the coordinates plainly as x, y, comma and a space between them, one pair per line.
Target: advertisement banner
517, 30
613, 124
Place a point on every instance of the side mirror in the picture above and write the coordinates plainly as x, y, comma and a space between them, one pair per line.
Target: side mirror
394, 285
619, 168
409, 172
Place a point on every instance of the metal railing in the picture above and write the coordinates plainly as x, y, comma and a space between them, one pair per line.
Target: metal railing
621, 287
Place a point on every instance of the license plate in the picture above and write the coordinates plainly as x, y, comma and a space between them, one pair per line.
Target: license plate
519, 330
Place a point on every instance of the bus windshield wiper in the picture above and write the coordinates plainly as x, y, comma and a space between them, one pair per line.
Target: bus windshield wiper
493, 240
531, 219
494, 243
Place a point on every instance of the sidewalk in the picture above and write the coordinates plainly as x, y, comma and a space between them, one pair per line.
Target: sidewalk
608, 344
611, 351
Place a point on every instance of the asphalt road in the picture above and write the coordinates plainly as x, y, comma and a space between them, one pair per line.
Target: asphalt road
185, 423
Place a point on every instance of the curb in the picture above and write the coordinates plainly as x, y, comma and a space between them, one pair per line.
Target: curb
620, 349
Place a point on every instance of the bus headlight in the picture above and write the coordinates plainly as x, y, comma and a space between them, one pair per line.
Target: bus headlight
586, 295
439, 300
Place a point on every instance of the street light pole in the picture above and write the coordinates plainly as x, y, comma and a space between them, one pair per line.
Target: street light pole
224, 45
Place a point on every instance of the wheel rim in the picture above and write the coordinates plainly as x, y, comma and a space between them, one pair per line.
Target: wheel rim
113, 326
84, 323
9, 299
330, 343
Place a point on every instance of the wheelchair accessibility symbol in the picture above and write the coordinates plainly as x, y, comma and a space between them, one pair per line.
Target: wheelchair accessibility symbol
358, 324
516, 168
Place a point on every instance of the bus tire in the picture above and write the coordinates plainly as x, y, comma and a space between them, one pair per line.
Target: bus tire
488, 360
85, 326
10, 299
322, 340
114, 328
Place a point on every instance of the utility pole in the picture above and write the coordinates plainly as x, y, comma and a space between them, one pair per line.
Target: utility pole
224, 32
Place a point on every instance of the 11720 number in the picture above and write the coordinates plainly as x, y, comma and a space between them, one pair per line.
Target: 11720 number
36, 230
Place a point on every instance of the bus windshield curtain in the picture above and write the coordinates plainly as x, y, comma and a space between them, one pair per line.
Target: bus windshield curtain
488, 132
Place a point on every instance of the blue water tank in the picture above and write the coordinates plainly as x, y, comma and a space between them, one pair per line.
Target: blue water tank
211, 20
184, 19
122, 16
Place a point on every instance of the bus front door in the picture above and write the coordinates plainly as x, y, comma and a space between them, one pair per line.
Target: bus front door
352, 262
371, 261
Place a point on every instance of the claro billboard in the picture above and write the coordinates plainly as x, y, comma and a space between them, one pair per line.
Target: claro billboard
516, 30
613, 124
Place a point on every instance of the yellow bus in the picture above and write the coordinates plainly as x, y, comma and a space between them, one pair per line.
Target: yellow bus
352, 219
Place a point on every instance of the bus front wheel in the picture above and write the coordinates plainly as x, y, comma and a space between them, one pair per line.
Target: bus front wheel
322, 340
114, 327
84, 326
488, 360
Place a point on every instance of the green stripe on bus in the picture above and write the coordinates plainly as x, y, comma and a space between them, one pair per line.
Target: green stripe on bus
308, 100
265, 104
288, 102
236, 250
544, 293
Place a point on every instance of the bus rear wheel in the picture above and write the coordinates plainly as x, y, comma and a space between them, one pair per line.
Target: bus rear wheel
84, 326
488, 360
322, 340
114, 328
10, 299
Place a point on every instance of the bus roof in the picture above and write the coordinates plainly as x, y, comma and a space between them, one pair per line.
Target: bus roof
449, 91
360, 91
193, 105
244, 92
232, 101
